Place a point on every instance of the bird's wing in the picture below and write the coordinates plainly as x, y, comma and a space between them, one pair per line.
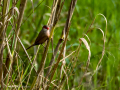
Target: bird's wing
41, 38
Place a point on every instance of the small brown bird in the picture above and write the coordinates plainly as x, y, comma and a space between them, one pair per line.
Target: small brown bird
42, 37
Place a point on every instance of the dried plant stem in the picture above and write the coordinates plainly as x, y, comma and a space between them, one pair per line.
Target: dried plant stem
21, 10
53, 58
70, 12
42, 62
32, 66
27, 54
9, 55
2, 37
56, 65
57, 14
51, 22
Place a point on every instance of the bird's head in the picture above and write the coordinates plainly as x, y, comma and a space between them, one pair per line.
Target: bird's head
46, 27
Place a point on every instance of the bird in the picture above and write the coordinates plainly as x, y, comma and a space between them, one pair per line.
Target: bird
42, 36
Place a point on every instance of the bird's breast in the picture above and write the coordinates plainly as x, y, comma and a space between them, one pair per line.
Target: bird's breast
48, 33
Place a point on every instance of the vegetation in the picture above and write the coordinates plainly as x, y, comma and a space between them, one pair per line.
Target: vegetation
82, 52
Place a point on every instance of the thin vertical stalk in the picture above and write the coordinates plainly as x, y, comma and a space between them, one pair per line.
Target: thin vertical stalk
70, 13
21, 10
2, 36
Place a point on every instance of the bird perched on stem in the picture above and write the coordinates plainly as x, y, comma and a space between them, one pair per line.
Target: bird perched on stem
42, 37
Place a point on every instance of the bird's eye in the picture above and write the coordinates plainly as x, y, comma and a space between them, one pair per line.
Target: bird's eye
46, 27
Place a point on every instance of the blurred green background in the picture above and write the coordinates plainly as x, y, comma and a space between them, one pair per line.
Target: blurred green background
108, 75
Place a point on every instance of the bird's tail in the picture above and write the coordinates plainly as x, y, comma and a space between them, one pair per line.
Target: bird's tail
30, 47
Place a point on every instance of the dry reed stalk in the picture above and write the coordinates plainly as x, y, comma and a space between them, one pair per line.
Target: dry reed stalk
6, 16
52, 22
21, 11
66, 30
9, 57
2, 36
59, 8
